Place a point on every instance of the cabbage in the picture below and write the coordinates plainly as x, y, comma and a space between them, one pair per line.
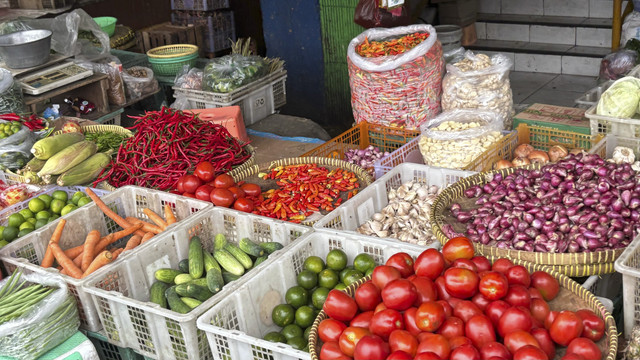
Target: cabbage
621, 100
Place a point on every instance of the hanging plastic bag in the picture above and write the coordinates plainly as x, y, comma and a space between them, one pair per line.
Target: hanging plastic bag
15, 150
617, 64
139, 81
368, 14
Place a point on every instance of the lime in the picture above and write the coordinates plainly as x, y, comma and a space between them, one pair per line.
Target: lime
1, 231
305, 335
304, 316
283, 315
340, 286
363, 262
15, 220
297, 343
344, 272
26, 213
26, 225
297, 296
24, 232
307, 279
43, 215
67, 209
369, 272
292, 330
83, 201
336, 259
314, 263
36, 205
328, 278
57, 205
3, 243
40, 223
10, 233
60, 195
351, 277
275, 336
318, 297
32, 221
76, 196
47, 199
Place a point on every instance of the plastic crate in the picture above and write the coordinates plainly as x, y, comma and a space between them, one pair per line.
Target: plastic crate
602, 124
628, 264
359, 209
201, 5
121, 292
236, 325
218, 27
542, 138
606, 146
107, 351
591, 97
130, 59
29, 250
230, 117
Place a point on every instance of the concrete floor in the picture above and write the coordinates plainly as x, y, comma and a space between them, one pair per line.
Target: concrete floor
553, 89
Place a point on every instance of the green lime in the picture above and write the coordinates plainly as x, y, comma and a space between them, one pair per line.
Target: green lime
83, 201
340, 286
43, 215
314, 263
305, 335
40, 223
344, 272
297, 343
67, 209
3, 243
304, 316
283, 315
328, 278
76, 196
292, 330
24, 232
15, 220
1, 231
26, 225
57, 205
60, 195
275, 336
32, 221
36, 205
297, 296
10, 233
352, 276
26, 213
363, 262
47, 199
307, 279
369, 272
336, 259
318, 297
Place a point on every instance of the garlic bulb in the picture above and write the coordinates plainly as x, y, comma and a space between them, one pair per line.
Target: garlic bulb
622, 155
636, 166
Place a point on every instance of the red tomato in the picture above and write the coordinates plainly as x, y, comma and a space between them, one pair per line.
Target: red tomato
371, 347
461, 283
519, 338
539, 310
465, 264
403, 340
367, 296
465, 352
221, 197
435, 343
585, 348
190, 195
494, 349
191, 183
203, 192
379, 308
502, 265
430, 316
223, 181
550, 318
480, 301
566, 327
518, 274
546, 284
180, 184
545, 342
383, 274
243, 204
430, 263
572, 357
426, 289
459, 341
493, 285
454, 301
409, 318
331, 351
514, 319
384, 322
362, 319
495, 310
340, 306
330, 330
482, 263
465, 310
427, 356
399, 294
451, 327
458, 248
205, 171
399, 355
237, 192
442, 291
535, 293
349, 339
480, 330
530, 352
518, 295
593, 325
403, 262
251, 189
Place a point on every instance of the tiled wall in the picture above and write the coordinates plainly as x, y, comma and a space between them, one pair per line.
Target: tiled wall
579, 8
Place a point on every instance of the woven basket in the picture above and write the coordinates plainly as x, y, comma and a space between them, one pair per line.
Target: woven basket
576, 264
172, 52
91, 129
572, 296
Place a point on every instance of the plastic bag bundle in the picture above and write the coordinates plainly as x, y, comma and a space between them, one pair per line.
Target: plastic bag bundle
479, 82
114, 73
227, 73
397, 90
139, 81
11, 100
15, 150
617, 64
189, 78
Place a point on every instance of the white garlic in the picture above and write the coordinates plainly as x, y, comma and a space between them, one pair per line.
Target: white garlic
623, 155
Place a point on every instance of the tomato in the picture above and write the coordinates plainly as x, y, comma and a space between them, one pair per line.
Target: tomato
427, 356
518, 295
203, 192
237, 192
572, 357
349, 339
495, 310
330, 330
430, 316
430, 263
535, 293
383, 274
480, 330
371, 347
480, 301
191, 183
205, 171
362, 319
482, 263
399, 355
244, 204
502, 265
190, 195
409, 318
403, 262
493, 285
223, 181
465, 310
458, 248
465, 264
250, 189
367, 296
465, 352
461, 283
221, 197
494, 349
180, 184
451, 327
448, 309
518, 274
545, 342
435, 343
384, 322
550, 318
585, 348
519, 338
426, 289
442, 290
403, 340
593, 325
546, 284
566, 327
459, 341
379, 308
539, 309
530, 352
514, 319
340, 306
399, 294
331, 351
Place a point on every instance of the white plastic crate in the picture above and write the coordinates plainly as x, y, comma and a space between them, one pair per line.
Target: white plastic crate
359, 209
602, 124
29, 250
121, 293
236, 325
628, 264
591, 97
606, 146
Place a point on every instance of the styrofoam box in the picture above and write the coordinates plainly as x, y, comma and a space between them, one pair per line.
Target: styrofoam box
121, 293
236, 325
359, 209
628, 264
29, 250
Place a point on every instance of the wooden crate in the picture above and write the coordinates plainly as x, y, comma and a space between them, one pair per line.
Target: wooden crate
168, 34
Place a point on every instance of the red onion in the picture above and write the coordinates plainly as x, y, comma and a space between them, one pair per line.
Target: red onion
364, 157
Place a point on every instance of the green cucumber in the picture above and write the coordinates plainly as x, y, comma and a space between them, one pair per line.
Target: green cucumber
210, 262
191, 302
240, 255
229, 277
183, 266
250, 247
219, 242
196, 261
195, 291
182, 278
259, 261
167, 275
175, 303
156, 293
215, 282
199, 282
228, 262
271, 246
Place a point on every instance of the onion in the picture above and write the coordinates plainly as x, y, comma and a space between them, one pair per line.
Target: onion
523, 150
537, 156
502, 164
557, 152
576, 151
521, 161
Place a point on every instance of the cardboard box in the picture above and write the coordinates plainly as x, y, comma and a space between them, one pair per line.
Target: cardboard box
554, 117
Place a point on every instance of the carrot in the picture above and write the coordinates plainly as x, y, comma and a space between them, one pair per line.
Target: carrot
146, 237
146, 227
169, 215
107, 211
74, 251
155, 218
47, 260
101, 260
117, 253
113, 237
78, 259
89, 248
64, 260
64, 272
133, 242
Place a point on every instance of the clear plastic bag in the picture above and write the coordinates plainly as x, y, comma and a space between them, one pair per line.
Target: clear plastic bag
15, 150
114, 74
139, 81
11, 100
479, 82
229, 72
181, 103
454, 56
8, 27
617, 64
189, 78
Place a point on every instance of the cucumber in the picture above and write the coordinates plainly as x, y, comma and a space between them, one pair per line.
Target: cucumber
183, 266
167, 275
228, 262
219, 242
271, 246
200, 282
191, 302
240, 255
182, 278
259, 261
229, 277
215, 282
210, 262
195, 291
175, 303
250, 247
196, 261
156, 293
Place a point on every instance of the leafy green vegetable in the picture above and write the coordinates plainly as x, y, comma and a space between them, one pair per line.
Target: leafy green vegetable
621, 99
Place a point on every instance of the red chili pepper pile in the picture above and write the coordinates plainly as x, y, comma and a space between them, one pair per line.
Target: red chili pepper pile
33, 122
168, 144
304, 189
390, 47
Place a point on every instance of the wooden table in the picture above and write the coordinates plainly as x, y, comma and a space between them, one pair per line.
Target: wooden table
93, 88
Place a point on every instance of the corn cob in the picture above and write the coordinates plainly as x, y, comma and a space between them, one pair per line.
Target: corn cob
31, 177
86, 171
49, 179
47, 147
68, 158
34, 165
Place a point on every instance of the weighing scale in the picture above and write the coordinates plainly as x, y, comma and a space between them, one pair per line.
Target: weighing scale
53, 78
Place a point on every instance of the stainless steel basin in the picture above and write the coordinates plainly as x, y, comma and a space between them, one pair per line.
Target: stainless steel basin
24, 49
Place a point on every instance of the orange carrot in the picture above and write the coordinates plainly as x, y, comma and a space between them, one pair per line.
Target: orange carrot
64, 272
47, 260
74, 251
89, 248
146, 227
102, 259
107, 211
64, 260
113, 237
117, 253
169, 215
146, 237
78, 259
155, 218
133, 242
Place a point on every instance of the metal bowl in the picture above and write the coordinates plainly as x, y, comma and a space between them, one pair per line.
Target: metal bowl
24, 49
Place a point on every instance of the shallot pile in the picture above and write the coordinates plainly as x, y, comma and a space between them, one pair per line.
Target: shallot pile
579, 204
364, 158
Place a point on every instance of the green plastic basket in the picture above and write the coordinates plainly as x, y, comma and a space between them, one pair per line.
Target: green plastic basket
164, 67
107, 23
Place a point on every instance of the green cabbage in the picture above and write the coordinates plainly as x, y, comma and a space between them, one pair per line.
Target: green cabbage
621, 100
